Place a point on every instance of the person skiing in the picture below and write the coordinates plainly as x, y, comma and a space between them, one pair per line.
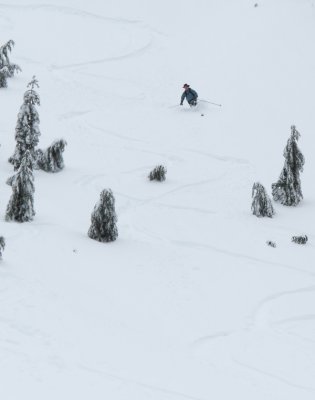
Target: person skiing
190, 95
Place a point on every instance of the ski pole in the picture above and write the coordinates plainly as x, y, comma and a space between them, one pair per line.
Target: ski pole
215, 104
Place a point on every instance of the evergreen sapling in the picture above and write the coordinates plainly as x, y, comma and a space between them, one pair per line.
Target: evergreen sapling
287, 190
261, 204
103, 219
158, 173
27, 128
21, 204
51, 160
299, 239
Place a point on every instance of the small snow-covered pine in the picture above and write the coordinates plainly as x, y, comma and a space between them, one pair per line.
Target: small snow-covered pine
51, 160
299, 239
21, 203
7, 69
2, 245
27, 128
287, 190
103, 219
158, 173
261, 204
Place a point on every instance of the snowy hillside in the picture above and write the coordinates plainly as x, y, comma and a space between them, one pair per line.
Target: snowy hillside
189, 302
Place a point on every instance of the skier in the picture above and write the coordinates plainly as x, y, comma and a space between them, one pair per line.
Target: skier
190, 95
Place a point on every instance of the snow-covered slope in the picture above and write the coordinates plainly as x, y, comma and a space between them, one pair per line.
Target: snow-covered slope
189, 302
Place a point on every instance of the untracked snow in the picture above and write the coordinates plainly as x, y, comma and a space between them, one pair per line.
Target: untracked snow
189, 302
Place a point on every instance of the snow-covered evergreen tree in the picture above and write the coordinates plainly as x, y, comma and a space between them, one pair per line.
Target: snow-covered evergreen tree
4, 74
103, 219
287, 190
7, 69
261, 204
27, 128
2, 245
158, 173
21, 203
51, 160
300, 239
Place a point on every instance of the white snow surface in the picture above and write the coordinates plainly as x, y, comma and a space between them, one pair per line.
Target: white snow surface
189, 302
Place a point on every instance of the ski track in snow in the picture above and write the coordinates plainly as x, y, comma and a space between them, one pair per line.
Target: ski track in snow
91, 180
258, 316
164, 156
183, 187
142, 202
77, 12
24, 330
133, 53
213, 336
193, 209
68, 10
307, 317
258, 320
115, 134
272, 376
74, 114
140, 384
244, 256
221, 158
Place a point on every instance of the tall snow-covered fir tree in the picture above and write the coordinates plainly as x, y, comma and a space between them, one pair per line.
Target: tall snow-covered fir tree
21, 204
7, 69
51, 160
103, 219
27, 127
261, 204
287, 190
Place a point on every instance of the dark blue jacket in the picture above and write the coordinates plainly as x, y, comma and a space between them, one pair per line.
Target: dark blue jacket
190, 95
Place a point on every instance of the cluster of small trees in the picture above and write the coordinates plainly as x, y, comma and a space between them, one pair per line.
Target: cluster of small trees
103, 219
26, 156
287, 190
